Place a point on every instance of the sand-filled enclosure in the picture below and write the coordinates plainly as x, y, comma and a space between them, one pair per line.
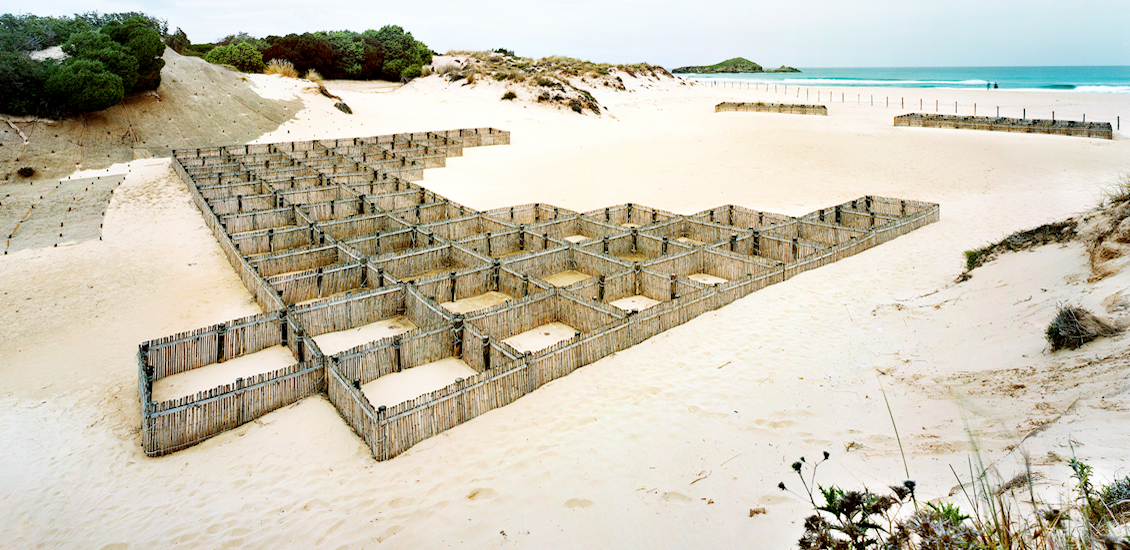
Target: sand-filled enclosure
339, 248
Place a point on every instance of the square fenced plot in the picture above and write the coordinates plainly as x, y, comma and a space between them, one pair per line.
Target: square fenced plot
705, 266
401, 368
815, 232
635, 290
741, 217
346, 322
523, 325
564, 267
187, 364
242, 204
630, 215
338, 209
270, 241
394, 242
458, 229
382, 185
362, 226
860, 214
635, 247
576, 229
511, 243
302, 260
529, 214
229, 191
770, 245
274, 218
692, 232
306, 286
472, 290
429, 263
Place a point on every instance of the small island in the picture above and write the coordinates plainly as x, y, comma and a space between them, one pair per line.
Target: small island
735, 65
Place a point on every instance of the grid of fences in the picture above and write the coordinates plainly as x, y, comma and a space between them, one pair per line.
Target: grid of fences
330, 236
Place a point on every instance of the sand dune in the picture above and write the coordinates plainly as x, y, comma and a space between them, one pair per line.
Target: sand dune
668, 444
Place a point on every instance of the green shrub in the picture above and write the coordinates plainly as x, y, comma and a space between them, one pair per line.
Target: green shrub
404, 56
113, 56
84, 85
145, 43
509, 95
22, 83
243, 56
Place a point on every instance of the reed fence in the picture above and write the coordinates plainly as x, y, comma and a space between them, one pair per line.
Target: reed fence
761, 107
1101, 130
326, 247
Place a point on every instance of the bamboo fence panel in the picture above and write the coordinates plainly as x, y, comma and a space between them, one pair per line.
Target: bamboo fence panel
357, 411
274, 218
574, 225
217, 192
421, 214
690, 228
468, 226
242, 204
351, 311
336, 210
740, 216
760, 107
1102, 130
352, 228
271, 240
529, 214
301, 260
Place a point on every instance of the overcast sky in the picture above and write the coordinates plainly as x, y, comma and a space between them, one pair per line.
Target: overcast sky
812, 33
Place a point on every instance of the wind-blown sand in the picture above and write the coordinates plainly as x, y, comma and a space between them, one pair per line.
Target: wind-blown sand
668, 444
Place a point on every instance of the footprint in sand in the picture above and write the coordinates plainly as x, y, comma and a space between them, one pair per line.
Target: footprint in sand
676, 497
578, 503
480, 493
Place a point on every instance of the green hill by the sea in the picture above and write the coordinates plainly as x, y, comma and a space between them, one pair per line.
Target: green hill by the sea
735, 65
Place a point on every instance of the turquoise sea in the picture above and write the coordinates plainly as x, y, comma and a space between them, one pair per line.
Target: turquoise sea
1111, 80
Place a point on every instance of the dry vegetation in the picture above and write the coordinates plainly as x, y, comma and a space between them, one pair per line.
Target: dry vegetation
554, 80
281, 67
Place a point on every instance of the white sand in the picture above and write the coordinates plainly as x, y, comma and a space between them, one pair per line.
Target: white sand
633, 447
706, 278
634, 303
475, 303
577, 238
393, 389
688, 240
216, 374
566, 278
333, 342
539, 338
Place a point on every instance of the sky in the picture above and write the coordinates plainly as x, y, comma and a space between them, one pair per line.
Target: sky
812, 33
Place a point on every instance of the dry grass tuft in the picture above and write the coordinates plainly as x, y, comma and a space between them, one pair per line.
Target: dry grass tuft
281, 67
314, 77
1075, 326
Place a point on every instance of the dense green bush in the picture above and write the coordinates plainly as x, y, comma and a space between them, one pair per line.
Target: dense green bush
242, 56
22, 83
404, 56
145, 43
83, 85
113, 56
306, 51
108, 56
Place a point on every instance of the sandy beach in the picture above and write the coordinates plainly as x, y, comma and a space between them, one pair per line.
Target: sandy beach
669, 444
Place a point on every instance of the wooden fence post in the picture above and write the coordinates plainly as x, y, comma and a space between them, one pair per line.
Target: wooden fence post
396, 354
221, 330
382, 433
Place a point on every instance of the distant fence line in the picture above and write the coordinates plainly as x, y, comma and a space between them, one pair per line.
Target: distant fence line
772, 108
334, 258
885, 101
1028, 126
